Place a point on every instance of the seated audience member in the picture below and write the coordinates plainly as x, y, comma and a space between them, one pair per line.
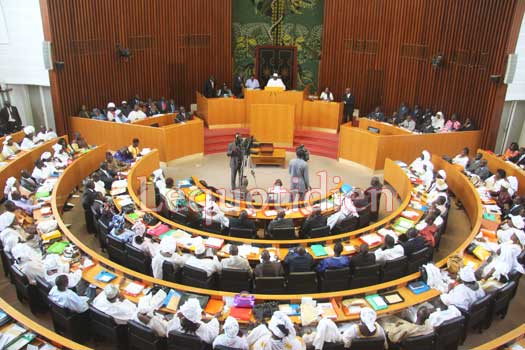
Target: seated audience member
468, 125
112, 112
119, 230
40, 172
10, 148
462, 159
83, 113
111, 303
279, 222
452, 124
182, 116
474, 164
24, 203
105, 175
346, 210
98, 115
159, 180
54, 267
389, 251
315, 220
64, 297
268, 268
78, 143
100, 186
326, 332
326, 95
166, 252
428, 232
516, 207
123, 155
153, 110
274, 192
230, 338
466, 292
299, 260
278, 334
29, 141
503, 198
60, 156
511, 151
115, 165
417, 165
189, 321
363, 257
136, 114
408, 123
225, 91
417, 112
144, 244
366, 328
438, 122
501, 265
395, 119
483, 171
252, 83
234, 261
336, 262
494, 182
373, 197
11, 185
162, 105
134, 148
125, 108
29, 261
147, 316
403, 109
243, 221
519, 159
88, 198
511, 229
27, 182
201, 261
398, 329
377, 115
414, 243
45, 134
213, 213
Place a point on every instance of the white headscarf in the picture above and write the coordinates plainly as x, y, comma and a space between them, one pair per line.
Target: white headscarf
10, 185
231, 327
20, 251
6, 219
192, 310
466, 274
111, 291
29, 130
280, 318
327, 332
45, 156
443, 174
200, 249
517, 221
57, 147
506, 261
157, 175
168, 245
368, 317
51, 263
7, 139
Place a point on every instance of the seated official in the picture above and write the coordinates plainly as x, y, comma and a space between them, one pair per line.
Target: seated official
24, 203
189, 321
275, 82
84, 113
326, 332
299, 260
408, 123
111, 303
363, 257
268, 268
326, 95
224, 91
438, 122
10, 147
136, 114
277, 334
166, 252
377, 115
98, 115
182, 116
174, 197
100, 186
29, 142
147, 315
243, 221
462, 159
474, 164
145, 245
511, 151
452, 124
201, 261
414, 243
45, 134
123, 155
467, 292
315, 220
64, 297
61, 157
429, 231
230, 338
519, 159
41, 172
516, 207
234, 261
503, 197
335, 262
366, 328
134, 148
78, 143
213, 213
347, 209
279, 222
27, 182
119, 230
252, 83
389, 251
115, 165
29, 261
153, 110
468, 125
502, 264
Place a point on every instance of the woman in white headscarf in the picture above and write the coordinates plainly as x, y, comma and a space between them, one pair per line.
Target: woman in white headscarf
438, 122
424, 159
189, 321
499, 267
366, 328
213, 213
346, 210
28, 261
438, 188
326, 332
159, 181
230, 338
11, 185
122, 310
166, 252
10, 147
27, 142
467, 292
278, 335
146, 313
60, 155
512, 230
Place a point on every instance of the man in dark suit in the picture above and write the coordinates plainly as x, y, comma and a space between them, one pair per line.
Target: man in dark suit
349, 104
182, 116
235, 154
209, 88
299, 260
88, 198
238, 85
162, 105
10, 119
268, 268
315, 220
243, 221
279, 222
106, 175
377, 115
363, 258
172, 107
414, 243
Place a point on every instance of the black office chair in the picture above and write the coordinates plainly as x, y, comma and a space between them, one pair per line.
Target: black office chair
25, 292
103, 232
241, 232
422, 342
333, 280
502, 299
181, 341
269, 285
137, 260
349, 224
141, 337
171, 272
374, 343
302, 283
70, 324
5, 262
212, 227
365, 217
478, 315
319, 232
418, 259
333, 346
234, 280
116, 250
195, 277
222, 347
394, 269
449, 334
364, 276
43, 288
283, 233
105, 327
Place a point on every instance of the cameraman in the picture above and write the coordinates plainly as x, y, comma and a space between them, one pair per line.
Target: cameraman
235, 154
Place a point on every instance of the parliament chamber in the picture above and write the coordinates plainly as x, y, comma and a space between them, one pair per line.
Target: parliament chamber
264, 175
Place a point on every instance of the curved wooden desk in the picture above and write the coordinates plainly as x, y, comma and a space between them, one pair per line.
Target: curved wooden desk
510, 337
40, 330
494, 163
17, 137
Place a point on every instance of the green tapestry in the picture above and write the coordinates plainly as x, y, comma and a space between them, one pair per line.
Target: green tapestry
279, 22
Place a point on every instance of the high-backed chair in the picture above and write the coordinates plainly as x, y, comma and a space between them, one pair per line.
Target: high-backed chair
422, 342
235, 280
137, 260
171, 272
181, 341
283, 233
142, 337
70, 324
502, 300
478, 315
351, 223
43, 288
394, 269
116, 250
241, 232
105, 327
270, 285
103, 232
449, 334
195, 277
25, 292
333, 346
363, 276
321, 231
418, 259
365, 216
5, 261
333, 280
302, 283
374, 343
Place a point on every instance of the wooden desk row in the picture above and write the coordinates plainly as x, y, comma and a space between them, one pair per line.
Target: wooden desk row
17, 137
494, 163
173, 141
514, 336
359, 145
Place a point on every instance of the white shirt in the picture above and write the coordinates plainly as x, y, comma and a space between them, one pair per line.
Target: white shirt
147, 246
43, 173
207, 332
326, 96
252, 84
460, 160
438, 317
136, 115
384, 255
276, 83
462, 296
234, 343
27, 144
408, 124
211, 266
353, 333
158, 261
9, 151
121, 311
9, 238
69, 299
438, 124
236, 263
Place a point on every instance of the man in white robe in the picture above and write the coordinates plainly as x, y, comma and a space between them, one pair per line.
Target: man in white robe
28, 261
230, 338
122, 310
64, 297
146, 315
192, 311
279, 334
200, 261
166, 252
347, 210
54, 267
275, 81
10, 147
466, 293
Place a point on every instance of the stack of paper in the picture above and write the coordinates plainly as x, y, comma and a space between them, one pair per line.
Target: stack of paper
371, 239
134, 289
215, 243
327, 310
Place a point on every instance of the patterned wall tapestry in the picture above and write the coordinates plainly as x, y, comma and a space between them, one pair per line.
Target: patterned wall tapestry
279, 22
